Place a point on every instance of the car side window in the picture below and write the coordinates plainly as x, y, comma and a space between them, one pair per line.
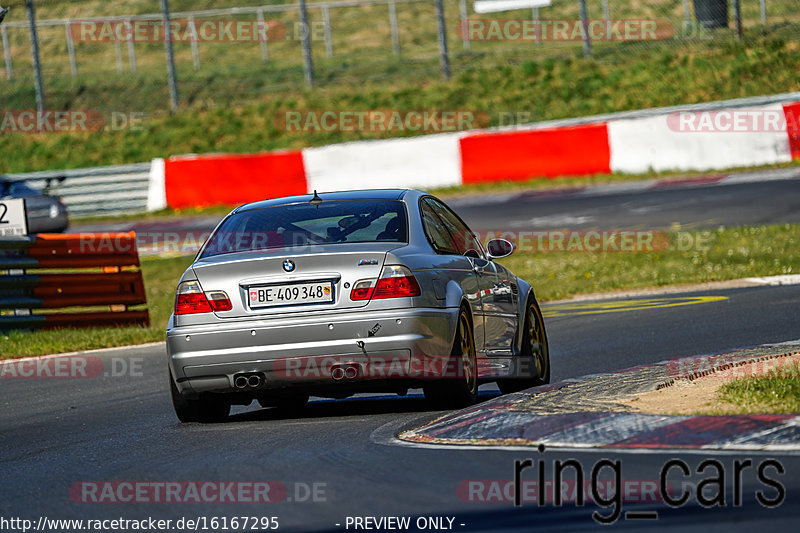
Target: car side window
461, 237
437, 232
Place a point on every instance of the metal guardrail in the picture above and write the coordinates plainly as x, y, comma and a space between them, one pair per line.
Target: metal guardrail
83, 270
95, 191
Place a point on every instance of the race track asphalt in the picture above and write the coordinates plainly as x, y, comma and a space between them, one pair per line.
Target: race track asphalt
56, 433
63, 434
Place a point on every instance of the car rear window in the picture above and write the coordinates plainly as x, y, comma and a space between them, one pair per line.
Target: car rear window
304, 224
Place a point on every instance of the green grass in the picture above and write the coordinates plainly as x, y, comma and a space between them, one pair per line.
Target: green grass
230, 103
724, 254
775, 392
716, 255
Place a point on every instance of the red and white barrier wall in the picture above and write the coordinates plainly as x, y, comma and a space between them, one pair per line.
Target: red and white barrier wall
699, 140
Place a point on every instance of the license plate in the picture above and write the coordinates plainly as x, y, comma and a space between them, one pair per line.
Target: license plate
290, 293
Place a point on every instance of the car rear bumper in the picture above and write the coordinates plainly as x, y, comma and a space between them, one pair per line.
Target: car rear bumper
301, 352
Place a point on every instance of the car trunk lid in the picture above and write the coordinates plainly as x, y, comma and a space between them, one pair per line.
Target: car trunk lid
257, 282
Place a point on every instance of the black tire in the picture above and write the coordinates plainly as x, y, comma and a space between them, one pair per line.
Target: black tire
459, 388
535, 352
206, 408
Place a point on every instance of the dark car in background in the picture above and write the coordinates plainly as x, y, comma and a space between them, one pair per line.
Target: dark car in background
45, 213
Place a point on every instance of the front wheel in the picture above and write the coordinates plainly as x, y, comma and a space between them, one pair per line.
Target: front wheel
206, 408
459, 386
535, 352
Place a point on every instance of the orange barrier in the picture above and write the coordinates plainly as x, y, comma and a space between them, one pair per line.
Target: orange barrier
100, 280
521, 155
232, 179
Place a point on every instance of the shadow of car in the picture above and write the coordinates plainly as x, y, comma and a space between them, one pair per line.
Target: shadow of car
45, 213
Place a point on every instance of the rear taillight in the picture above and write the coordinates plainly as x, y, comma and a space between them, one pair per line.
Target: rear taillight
395, 282
219, 301
362, 289
190, 299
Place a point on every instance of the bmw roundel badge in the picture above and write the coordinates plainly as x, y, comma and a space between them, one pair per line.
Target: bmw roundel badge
288, 265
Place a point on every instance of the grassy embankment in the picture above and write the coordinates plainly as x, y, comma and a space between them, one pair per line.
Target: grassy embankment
229, 104
775, 392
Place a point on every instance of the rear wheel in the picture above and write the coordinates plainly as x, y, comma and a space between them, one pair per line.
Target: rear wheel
206, 408
459, 387
535, 352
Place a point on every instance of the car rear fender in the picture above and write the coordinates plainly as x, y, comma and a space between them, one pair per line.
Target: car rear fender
526, 293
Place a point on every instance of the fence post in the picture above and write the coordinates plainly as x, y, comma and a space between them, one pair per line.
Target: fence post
263, 38
308, 61
173, 83
445, 59
37, 67
587, 45
687, 17
464, 28
118, 50
737, 15
606, 12
195, 51
763, 4
393, 24
538, 26
73, 65
7, 54
131, 50
326, 25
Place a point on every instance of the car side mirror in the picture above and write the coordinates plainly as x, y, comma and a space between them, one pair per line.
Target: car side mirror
498, 248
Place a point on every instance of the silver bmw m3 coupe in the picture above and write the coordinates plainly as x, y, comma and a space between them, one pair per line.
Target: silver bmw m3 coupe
339, 293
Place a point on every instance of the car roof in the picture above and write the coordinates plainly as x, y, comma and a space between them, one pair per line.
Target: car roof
364, 194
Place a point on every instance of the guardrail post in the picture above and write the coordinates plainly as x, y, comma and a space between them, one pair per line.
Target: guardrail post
264, 35
442, 30
687, 17
587, 45
763, 5
393, 25
37, 67
462, 8
7, 54
173, 83
118, 53
326, 26
305, 37
73, 65
538, 26
131, 49
195, 51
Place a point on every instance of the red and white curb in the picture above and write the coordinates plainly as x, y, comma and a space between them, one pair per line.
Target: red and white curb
525, 419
